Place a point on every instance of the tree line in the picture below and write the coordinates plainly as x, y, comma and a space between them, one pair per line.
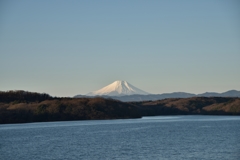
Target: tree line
23, 96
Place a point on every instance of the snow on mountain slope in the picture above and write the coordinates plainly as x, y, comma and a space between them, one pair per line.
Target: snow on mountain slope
118, 88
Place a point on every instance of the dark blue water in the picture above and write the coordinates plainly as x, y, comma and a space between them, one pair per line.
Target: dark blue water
166, 137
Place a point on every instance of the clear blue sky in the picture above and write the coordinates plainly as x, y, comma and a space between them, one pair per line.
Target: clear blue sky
73, 47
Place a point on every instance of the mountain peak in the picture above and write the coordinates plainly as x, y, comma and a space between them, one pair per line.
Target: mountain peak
120, 82
118, 88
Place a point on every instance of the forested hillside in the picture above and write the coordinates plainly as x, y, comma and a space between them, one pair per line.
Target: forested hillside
22, 107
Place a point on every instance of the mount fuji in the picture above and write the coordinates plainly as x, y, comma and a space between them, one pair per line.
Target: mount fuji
118, 88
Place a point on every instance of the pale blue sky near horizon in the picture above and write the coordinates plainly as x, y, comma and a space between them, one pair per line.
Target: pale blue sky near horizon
65, 48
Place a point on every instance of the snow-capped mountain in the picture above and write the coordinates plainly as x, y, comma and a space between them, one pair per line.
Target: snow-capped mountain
118, 88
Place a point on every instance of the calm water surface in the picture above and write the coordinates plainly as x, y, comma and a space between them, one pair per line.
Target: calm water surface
163, 137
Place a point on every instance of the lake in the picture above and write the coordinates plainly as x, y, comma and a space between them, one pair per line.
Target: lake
161, 137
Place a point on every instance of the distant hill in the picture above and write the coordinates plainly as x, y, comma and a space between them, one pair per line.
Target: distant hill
231, 93
153, 97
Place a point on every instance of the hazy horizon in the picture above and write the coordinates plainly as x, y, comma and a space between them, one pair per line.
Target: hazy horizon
65, 48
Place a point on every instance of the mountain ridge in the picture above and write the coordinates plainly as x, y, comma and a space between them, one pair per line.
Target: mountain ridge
126, 92
153, 97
